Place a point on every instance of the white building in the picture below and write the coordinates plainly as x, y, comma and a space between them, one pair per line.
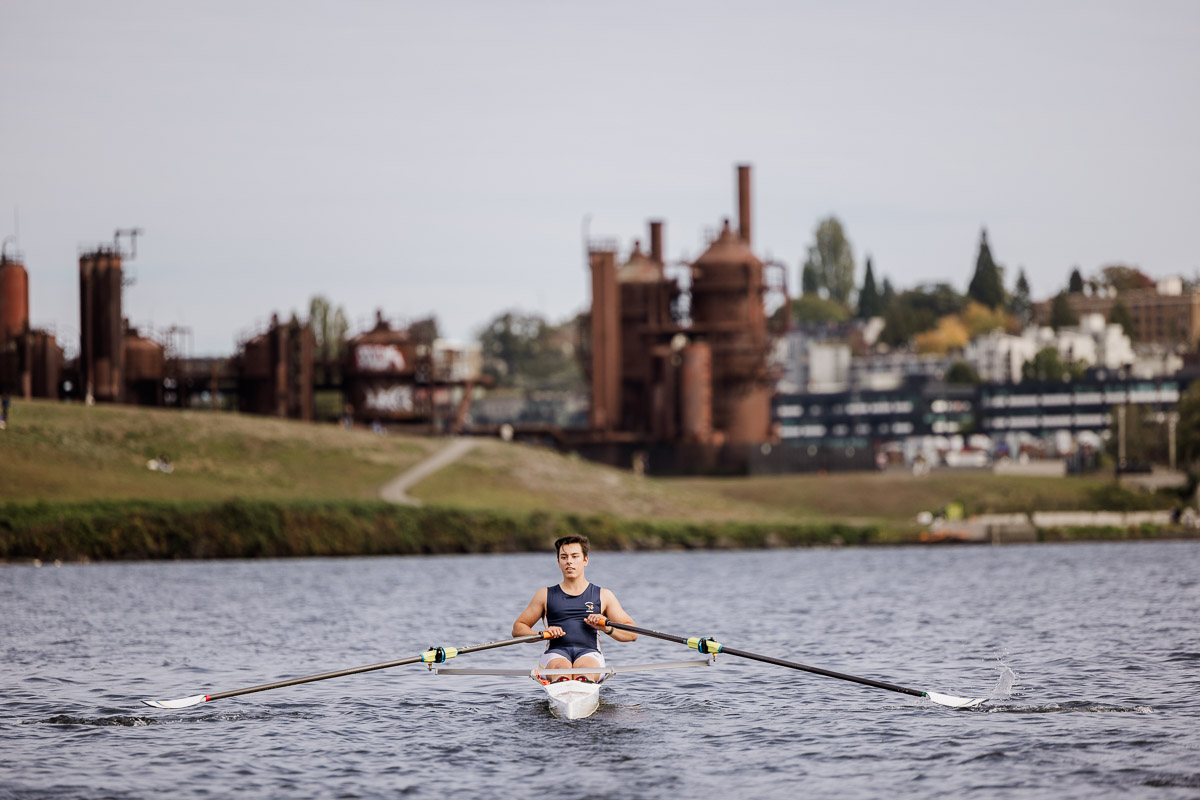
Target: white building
999, 357
814, 365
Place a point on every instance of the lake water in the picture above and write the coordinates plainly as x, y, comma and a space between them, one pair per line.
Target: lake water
1090, 654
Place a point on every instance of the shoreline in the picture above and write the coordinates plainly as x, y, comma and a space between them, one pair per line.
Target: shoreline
160, 530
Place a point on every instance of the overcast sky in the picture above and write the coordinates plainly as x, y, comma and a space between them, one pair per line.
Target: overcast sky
445, 158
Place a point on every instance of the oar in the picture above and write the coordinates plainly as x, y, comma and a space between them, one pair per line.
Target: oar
434, 655
705, 645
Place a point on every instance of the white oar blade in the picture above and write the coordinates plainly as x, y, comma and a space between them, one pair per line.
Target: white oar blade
183, 702
955, 702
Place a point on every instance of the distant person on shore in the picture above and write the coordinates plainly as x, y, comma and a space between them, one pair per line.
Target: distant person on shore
574, 612
4, 402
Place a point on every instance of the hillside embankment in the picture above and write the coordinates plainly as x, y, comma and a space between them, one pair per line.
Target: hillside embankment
75, 485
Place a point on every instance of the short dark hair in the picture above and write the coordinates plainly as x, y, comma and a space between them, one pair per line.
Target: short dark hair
582, 541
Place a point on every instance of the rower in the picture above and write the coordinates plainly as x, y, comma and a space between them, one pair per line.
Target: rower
574, 612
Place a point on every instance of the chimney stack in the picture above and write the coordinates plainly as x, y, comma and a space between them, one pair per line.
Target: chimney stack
744, 203
656, 240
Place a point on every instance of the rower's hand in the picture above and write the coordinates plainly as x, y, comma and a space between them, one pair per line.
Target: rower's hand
597, 621
555, 632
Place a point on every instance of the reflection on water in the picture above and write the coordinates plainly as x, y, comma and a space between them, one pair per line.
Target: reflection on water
1092, 695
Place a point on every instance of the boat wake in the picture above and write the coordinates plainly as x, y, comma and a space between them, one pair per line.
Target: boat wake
1075, 707
130, 721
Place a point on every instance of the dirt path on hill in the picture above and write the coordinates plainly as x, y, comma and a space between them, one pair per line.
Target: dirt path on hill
397, 490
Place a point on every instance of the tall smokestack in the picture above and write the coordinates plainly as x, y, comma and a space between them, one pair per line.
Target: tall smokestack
656, 240
744, 202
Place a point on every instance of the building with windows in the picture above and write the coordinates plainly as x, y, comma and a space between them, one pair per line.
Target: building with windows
925, 415
1166, 314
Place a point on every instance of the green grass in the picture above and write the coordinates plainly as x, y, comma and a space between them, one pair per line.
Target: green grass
69, 454
55, 451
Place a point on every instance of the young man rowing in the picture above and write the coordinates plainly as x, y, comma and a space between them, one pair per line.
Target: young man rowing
574, 612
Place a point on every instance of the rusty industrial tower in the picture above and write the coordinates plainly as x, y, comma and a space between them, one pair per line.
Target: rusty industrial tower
30, 360
682, 377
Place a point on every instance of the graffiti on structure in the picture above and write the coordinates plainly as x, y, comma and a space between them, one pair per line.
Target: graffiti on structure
389, 398
379, 358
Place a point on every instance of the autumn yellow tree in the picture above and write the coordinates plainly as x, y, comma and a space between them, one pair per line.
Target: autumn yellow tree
950, 334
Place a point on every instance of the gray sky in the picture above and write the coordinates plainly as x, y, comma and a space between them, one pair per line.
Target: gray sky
440, 158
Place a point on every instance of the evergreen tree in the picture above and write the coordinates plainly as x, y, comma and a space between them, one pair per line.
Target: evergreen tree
986, 287
809, 282
870, 304
1075, 283
889, 294
1021, 303
1061, 313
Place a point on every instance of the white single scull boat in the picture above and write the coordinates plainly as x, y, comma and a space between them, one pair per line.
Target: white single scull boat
572, 699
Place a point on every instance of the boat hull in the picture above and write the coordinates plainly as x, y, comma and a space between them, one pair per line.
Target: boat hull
573, 699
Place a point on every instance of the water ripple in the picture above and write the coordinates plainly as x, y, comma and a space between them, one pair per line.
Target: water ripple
1089, 694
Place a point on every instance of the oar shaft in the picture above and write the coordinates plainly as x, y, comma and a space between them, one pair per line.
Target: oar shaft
777, 661
371, 667
310, 678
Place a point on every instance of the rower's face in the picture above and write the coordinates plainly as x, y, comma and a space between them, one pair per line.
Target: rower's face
571, 560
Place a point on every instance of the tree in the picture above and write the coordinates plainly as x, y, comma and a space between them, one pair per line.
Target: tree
832, 261
918, 310
1020, 305
524, 351
1061, 313
1119, 315
888, 296
987, 286
810, 283
949, 334
1135, 430
870, 304
814, 308
961, 372
1047, 365
979, 319
329, 327
1187, 430
1075, 283
1122, 278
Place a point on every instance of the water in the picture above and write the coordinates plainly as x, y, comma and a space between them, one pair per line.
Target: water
1090, 654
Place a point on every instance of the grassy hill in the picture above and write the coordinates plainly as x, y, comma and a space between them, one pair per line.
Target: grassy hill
56, 451
71, 453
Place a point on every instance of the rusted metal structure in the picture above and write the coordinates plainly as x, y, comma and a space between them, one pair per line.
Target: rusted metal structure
697, 382
42, 371
14, 297
101, 350
14, 323
605, 368
145, 368
396, 376
31, 361
387, 374
275, 371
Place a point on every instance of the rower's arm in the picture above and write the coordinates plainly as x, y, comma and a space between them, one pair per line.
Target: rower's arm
613, 610
530, 616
